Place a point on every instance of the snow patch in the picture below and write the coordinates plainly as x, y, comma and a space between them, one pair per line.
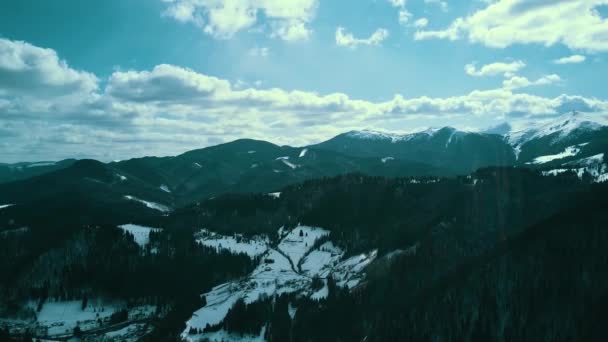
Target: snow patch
141, 234
303, 153
568, 152
275, 194
165, 188
224, 336
2, 206
236, 244
386, 159
151, 205
278, 272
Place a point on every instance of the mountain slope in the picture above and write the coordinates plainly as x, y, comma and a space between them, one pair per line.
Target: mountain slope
88, 192
447, 148
255, 166
19, 171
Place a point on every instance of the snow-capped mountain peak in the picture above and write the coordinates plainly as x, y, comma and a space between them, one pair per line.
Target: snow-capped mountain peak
561, 126
367, 134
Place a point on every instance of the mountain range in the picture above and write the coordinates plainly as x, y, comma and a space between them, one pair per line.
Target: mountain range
369, 236
574, 142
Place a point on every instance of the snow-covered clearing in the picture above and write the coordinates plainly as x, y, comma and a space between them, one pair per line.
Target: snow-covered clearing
141, 234
568, 152
278, 273
58, 318
151, 205
236, 244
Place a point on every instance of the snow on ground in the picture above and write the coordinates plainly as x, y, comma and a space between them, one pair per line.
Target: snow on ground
275, 194
303, 153
141, 234
197, 165
299, 241
589, 161
122, 178
562, 125
278, 273
593, 166
251, 152
63, 317
60, 318
293, 166
322, 260
386, 159
129, 333
322, 293
165, 188
224, 336
291, 310
151, 205
568, 152
2, 206
236, 244
349, 272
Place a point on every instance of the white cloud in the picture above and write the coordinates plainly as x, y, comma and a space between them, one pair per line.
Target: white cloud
493, 69
574, 59
517, 82
443, 5
347, 39
26, 69
224, 18
421, 23
404, 14
397, 3
573, 23
170, 109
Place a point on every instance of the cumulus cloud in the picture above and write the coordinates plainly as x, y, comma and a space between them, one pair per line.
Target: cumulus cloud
26, 69
573, 23
170, 109
347, 39
493, 69
421, 23
517, 82
404, 14
574, 59
224, 18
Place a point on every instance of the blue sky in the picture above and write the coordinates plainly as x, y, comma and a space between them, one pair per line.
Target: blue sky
124, 78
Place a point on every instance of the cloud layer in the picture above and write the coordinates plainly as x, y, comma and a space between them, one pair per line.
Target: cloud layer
574, 23
289, 19
347, 39
55, 111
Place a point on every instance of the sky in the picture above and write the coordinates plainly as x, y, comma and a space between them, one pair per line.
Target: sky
117, 79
